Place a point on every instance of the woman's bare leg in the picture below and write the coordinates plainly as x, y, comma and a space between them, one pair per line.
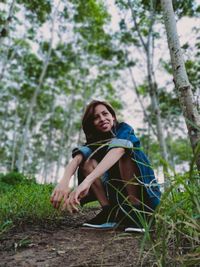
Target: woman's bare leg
129, 173
96, 187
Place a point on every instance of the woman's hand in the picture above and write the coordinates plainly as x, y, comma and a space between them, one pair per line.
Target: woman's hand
60, 192
74, 197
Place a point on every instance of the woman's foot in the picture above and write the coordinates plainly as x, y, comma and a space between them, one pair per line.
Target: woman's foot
104, 220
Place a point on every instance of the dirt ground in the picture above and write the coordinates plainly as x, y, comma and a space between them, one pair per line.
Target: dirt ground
67, 244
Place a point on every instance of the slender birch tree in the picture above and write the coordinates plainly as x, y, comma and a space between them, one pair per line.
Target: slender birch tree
148, 49
5, 29
183, 86
25, 135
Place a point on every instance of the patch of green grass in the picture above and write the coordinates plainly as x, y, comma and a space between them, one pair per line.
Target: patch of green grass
23, 200
26, 202
176, 240
11, 179
93, 204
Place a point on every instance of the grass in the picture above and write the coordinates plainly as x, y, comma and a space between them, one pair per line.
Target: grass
26, 203
176, 241
22, 200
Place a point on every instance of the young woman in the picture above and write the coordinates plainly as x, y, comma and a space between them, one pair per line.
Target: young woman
112, 169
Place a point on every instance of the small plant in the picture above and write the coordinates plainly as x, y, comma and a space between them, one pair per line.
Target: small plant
23, 243
4, 227
177, 235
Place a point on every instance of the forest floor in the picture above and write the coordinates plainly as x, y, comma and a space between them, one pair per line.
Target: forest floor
67, 244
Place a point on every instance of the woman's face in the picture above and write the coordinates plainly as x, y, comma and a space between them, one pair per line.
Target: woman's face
103, 119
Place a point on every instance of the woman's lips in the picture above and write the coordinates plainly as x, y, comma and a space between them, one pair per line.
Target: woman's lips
104, 125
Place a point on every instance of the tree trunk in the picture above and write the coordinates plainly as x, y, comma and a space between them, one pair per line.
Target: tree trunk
48, 149
192, 118
4, 31
65, 132
25, 135
13, 163
148, 48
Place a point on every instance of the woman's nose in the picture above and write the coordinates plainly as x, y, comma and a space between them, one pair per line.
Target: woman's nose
101, 117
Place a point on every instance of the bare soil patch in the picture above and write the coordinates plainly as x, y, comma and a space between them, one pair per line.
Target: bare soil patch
67, 244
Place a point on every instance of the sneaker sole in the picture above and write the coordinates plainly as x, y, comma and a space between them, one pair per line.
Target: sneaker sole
105, 226
134, 230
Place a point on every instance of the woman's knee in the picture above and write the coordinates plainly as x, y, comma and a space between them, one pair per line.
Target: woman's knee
128, 168
88, 166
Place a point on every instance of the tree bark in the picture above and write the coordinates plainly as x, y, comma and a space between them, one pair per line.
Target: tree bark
13, 163
4, 31
48, 149
192, 118
66, 131
148, 49
25, 135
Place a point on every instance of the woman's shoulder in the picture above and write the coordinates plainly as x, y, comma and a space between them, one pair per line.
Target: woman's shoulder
124, 126
125, 131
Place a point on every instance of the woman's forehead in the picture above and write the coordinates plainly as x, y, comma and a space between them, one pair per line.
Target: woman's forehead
100, 108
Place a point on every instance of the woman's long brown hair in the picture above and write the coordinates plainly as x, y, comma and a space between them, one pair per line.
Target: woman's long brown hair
92, 135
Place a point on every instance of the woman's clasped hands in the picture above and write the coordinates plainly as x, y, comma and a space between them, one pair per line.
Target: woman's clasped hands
70, 200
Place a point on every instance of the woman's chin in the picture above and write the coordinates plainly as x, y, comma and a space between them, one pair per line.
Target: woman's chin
105, 130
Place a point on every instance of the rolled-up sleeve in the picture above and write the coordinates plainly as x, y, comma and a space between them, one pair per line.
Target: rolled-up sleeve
126, 144
84, 150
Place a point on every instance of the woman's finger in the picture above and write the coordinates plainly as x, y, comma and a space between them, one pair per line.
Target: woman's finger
52, 195
77, 198
74, 207
65, 203
65, 197
72, 199
54, 198
72, 202
58, 199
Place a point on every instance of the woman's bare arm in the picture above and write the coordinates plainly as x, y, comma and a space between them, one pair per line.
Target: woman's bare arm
62, 189
106, 163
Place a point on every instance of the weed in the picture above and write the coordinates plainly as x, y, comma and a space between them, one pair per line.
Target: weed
177, 234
